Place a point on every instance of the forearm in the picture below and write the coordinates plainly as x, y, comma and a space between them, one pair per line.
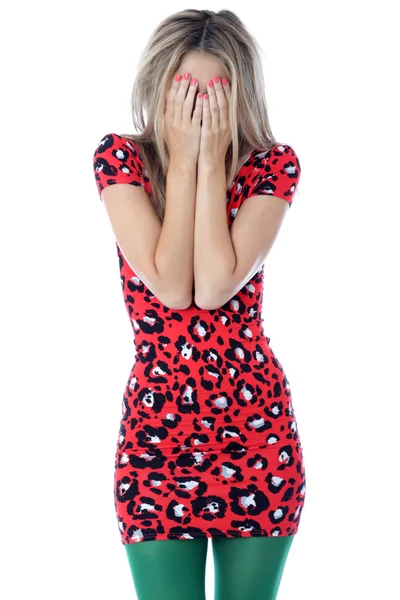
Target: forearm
174, 253
214, 256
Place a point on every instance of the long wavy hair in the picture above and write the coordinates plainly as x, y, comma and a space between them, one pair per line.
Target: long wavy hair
223, 35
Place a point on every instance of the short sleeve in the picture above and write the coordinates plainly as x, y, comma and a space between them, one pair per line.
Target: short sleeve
117, 160
280, 173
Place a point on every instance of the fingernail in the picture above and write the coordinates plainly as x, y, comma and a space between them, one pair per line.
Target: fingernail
178, 77
224, 81
186, 75
216, 79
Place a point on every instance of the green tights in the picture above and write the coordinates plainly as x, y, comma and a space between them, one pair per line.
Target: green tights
244, 567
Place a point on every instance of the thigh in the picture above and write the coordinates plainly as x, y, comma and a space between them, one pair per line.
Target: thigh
168, 569
249, 567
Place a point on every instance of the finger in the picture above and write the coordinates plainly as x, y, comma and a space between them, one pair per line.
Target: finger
221, 100
181, 96
189, 100
214, 110
206, 112
175, 85
198, 109
227, 89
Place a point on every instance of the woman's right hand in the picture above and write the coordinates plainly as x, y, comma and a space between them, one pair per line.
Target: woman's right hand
180, 128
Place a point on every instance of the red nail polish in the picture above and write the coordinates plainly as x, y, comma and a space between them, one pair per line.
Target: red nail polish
210, 83
216, 79
178, 77
224, 81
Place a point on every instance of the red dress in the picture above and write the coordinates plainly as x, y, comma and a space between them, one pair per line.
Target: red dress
208, 444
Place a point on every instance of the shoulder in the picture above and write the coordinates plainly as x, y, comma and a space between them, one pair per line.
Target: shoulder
276, 171
117, 159
115, 145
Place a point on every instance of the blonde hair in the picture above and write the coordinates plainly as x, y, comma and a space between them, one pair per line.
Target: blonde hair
223, 35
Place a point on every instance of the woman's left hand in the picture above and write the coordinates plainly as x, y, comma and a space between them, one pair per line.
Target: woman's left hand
215, 134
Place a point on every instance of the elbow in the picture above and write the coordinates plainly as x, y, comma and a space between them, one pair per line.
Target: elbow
177, 302
210, 302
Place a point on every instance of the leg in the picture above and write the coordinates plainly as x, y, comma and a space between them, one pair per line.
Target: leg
169, 569
249, 567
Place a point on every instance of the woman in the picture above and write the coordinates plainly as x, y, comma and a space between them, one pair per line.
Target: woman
208, 445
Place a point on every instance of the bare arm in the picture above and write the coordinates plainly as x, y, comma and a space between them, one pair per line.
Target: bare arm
174, 253
214, 256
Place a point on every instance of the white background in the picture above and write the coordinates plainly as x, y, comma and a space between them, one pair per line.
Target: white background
331, 291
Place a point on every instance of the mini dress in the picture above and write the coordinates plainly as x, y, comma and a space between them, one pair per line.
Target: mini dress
208, 444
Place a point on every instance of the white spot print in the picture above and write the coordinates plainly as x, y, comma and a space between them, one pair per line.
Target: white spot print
235, 305
276, 480
124, 487
260, 356
258, 465
150, 320
200, 330
187, 396
186, 352
234, 212
212, 507
148, 399
230, 434
170, 417
188, 485
272, 440
155, 482
198, 457
232, 372
145, 348
250, 287
147, 456
239, 352
136, 280
153, 439
227, 471
276, 410
247, 501
246, 393
275, 533
256, 423
224, 319
137, 536
221, 402
291, 170
145, 506
124, 458
158, 371
248, 333
206, 423
284, 456
278, 514
132, 382
179, 510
